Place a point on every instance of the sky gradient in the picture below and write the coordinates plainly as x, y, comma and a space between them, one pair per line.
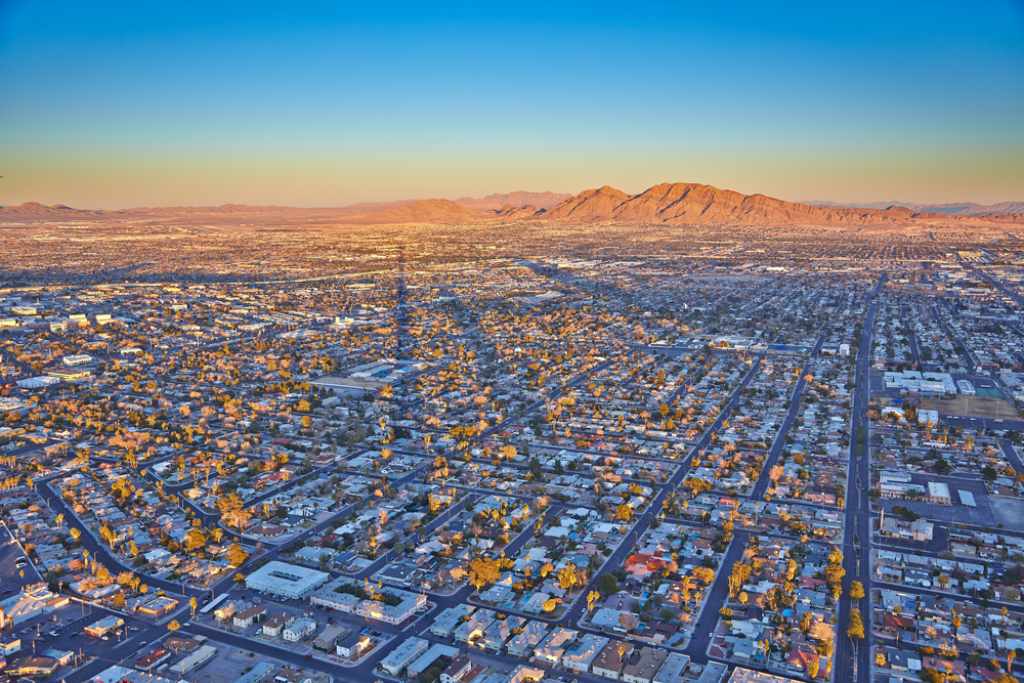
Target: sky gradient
138, 103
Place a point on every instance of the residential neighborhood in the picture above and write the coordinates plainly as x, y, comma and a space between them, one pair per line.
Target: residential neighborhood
565, 468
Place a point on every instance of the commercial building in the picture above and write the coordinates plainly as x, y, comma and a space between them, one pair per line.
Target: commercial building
194, 660
102, 627
938, 493
285, 580
915, 382
391, 606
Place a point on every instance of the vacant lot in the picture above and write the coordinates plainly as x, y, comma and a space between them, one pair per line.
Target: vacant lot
974, 406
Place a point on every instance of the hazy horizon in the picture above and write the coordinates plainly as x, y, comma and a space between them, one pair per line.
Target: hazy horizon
812, 201
126, 104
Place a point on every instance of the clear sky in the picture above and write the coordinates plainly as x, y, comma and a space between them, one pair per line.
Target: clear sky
157, 103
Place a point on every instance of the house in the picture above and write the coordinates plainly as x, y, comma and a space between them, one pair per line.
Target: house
406, 652
326, 639
643, 666
249, 616
611, 659
581, 655
226, 611
526, 674
523, 643
458, 670
273, 625
353, 645
672, 669
299, 628
450, 617
550, 651
427, 659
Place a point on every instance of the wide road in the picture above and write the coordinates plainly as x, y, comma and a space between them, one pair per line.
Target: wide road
853, 661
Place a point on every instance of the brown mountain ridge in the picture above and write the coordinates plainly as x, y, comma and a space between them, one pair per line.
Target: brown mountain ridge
665, 204
697, 204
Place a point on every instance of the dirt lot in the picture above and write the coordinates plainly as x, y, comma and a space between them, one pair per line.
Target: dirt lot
1009, 512
974, 406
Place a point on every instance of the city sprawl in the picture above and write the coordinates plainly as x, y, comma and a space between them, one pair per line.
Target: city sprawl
480, 454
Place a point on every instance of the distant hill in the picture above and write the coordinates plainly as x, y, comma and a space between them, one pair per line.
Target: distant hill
949, 209
498, 201
665, 203
697, 204
442, 211
409, 211
36, 211
599, 204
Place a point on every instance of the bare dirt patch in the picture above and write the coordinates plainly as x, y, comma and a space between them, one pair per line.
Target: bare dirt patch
974, 406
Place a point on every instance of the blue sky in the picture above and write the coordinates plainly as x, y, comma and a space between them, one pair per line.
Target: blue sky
122, 104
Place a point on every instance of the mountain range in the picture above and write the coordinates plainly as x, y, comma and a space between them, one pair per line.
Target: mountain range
665, 203
951, 208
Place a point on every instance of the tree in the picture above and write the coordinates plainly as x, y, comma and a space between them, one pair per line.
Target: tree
932, 676
623, 513
568, 577
857, 590
173, 625
194, 539
483, 571
236, 555
194, 604
233, 511
813, 666
607, 584
855, 629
